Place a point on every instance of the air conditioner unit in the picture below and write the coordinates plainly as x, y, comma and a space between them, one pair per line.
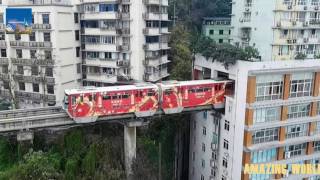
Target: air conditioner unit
294, 41
305, 7
291, 47
316, 8
287, 155
278, 24
247, 9
289, 7
305, 40
294, 23
289, 41
305, 23
241, 20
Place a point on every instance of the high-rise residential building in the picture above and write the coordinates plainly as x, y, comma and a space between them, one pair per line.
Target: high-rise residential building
279, 29
217, 28
124, 41
271, 115
37, 67
82, 42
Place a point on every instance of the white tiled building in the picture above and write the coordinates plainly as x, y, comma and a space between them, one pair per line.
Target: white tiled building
279, 29
82, 42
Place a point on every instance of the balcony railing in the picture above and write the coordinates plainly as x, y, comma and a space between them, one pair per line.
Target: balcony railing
31, 44
4, 61
34, 79
34, 96
39, 2
30, 62
4, 76
123, 63
41, 26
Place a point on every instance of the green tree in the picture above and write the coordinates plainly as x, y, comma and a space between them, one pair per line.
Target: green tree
7, 154
71, 168
89, 162
301, 56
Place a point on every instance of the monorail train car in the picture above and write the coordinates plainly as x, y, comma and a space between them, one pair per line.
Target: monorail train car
179, 95
86, 105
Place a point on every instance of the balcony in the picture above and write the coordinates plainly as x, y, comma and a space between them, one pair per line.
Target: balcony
22, 44
101, 77
155, 16
35, 96
39, 2
4, 61
122, 63
3, 44
123, 48
156, 2
123, 32
34, 79
152, 46
100, 15
4, 76
100, 46
31, 62
124, 1
124, 16
41, 26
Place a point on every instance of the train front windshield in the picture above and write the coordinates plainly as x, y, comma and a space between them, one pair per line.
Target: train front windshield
65, 101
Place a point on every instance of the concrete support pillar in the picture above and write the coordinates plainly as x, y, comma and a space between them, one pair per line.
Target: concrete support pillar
129, 148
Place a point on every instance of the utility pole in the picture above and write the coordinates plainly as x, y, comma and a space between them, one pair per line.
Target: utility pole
159, 173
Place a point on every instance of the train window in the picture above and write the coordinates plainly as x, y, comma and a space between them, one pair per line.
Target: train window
141, 94
66, 99
199, 90
206, 89
168, 92
90, 97
115, 97
150, 93
125, 96
106, 97
73, 100
81, 98
137, 94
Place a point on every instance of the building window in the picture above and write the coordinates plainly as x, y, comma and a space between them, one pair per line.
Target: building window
17, 37
45, 19
48, 54
225, 162
205, 114
32, 36
78, 68
298, 111
265, 135
34, 71
6, 85
220, 41
194, 124
77, 51
317, 130
202, 177
316, 146
225, 144
76, 18
229, 32
3, 52
33, 54
264, 115
20, 70
46, 37
203, 147
301, 84
22, 86
211, 31
223, 177
269, 87
204, 130
92, 55
108, 39
226, 125
19, 53
49, 72
203, 163
193, 156
77, 34
35, 87
264, 155
221, 32
107, 55
297, 130
295, 150
50, 89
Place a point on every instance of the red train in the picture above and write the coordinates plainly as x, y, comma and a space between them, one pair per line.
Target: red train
145, 99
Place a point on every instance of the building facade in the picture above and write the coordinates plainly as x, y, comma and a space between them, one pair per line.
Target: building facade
36, 68
279, 29
217, 28
271, 116
82, 42
124, 41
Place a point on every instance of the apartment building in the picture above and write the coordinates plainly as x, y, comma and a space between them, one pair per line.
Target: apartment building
37, 68
124, 41
217, 28
279, 29
271, 116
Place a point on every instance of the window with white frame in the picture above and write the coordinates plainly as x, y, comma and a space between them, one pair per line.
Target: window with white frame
287, 2
263, 115
316, 146
264, 155
295, 150
108, 39
226, 125
297, 130
317, 128
203, 147
301, 84
204, 130
265, 135
302, 2
225, 162
203, 163
269, 87
298, 111
315, 2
